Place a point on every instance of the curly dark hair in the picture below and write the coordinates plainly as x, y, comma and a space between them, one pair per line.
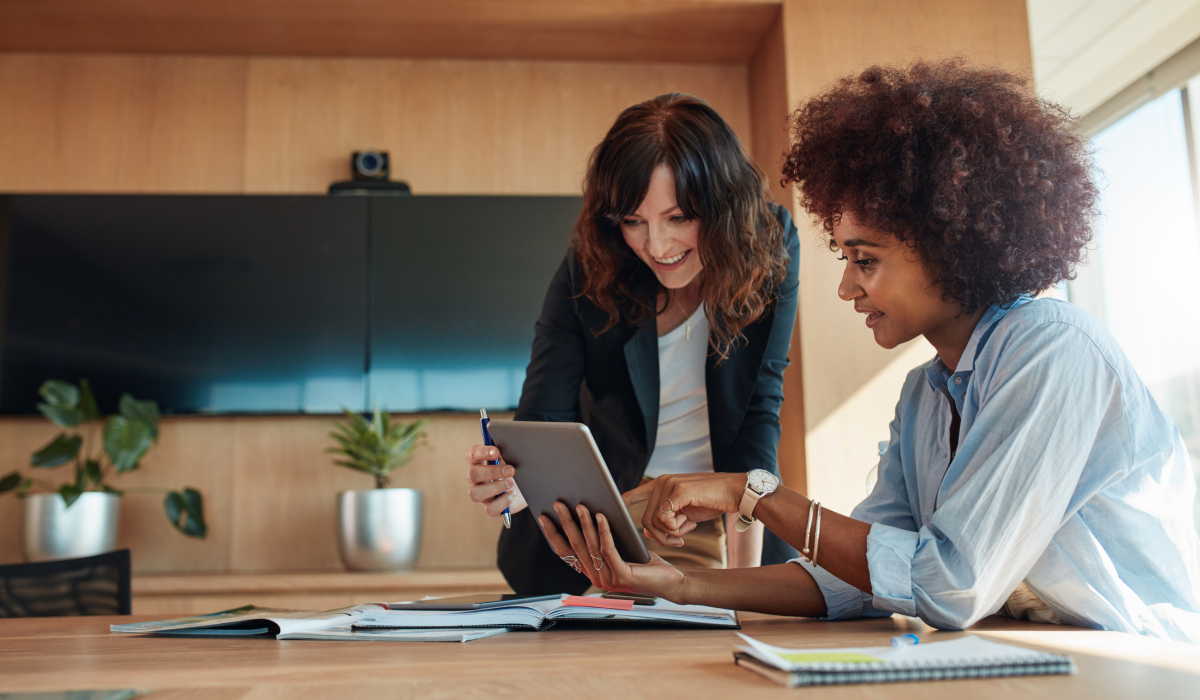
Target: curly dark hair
990, 185
741, 244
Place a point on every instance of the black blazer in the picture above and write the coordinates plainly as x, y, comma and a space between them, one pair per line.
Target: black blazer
610, 383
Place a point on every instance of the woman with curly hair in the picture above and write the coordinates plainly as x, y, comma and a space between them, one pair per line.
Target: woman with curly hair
665, 330
1029, 472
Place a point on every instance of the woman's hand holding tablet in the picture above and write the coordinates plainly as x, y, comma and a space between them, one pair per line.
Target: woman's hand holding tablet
591, 543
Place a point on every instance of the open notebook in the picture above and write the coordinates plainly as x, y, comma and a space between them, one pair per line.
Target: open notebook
539, 615
966, 657
333, 625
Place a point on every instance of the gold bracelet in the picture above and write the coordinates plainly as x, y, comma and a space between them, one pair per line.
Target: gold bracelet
817, 537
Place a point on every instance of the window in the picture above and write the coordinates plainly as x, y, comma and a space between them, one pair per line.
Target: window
1146, 262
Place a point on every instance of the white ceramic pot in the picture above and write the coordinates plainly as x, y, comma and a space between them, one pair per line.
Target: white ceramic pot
54, 531
380, 529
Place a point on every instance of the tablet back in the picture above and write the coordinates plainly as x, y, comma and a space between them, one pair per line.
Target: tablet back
560, 462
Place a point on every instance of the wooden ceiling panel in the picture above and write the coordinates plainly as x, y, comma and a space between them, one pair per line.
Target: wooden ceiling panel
683, 31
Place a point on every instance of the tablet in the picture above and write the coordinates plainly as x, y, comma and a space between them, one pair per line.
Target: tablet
560, 462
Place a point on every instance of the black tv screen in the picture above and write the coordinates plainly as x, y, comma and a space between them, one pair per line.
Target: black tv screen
457, 285
275, 304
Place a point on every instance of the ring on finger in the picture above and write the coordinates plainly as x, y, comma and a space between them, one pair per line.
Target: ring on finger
597, 562
668, 511
573, 562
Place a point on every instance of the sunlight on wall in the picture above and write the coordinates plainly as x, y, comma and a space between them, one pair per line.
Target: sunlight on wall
842, 447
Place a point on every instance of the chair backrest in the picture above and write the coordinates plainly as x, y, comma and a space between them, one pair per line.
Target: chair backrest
96, 585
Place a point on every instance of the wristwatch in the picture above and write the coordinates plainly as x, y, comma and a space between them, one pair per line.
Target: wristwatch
759, 483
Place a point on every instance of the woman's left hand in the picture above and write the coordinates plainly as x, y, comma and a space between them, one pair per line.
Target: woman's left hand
590, 549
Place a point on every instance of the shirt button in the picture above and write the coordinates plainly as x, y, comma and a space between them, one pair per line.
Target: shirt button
958, 380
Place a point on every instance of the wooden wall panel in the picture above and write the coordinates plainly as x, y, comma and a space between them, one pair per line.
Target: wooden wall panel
769, 111
285, 496
121, 123
462, 127
825, 40
98, 123
270, 494
676, 31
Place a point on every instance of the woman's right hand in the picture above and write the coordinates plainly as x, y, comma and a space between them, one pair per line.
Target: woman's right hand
492, 484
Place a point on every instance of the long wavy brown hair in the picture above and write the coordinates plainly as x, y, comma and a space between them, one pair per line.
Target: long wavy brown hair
741, 244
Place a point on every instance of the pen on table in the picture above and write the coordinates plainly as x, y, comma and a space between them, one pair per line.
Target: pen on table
487, 440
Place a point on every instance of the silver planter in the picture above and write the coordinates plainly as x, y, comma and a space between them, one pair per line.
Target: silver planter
54, 531
380, 530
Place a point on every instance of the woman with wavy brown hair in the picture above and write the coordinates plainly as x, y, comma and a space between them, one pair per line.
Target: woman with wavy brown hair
1030, 472
666, 330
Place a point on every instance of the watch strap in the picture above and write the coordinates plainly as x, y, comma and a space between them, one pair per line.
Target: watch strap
750, 499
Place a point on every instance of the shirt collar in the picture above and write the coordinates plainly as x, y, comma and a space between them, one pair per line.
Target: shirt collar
939, 375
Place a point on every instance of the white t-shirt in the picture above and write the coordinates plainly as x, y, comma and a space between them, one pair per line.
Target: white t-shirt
682, 445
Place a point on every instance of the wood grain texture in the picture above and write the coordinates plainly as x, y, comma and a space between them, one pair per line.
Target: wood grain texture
121, 123
195, 594
55, 654
825, 40
270, 494
455, 127
695, 31
137, 124
768, 112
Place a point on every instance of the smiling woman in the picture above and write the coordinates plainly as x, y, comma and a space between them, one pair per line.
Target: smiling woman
666, 331
1029, 471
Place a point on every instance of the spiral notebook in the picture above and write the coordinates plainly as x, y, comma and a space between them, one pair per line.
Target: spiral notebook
966, 657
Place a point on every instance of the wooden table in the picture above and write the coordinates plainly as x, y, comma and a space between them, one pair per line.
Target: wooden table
176, 595
54, 654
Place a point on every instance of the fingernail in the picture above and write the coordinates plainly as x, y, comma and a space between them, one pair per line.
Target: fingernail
509, 483
579, 510
508, 471
511, 495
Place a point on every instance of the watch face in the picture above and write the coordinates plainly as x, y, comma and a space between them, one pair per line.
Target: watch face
762, 481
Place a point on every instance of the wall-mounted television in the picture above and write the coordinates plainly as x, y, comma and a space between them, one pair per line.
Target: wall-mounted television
276, 304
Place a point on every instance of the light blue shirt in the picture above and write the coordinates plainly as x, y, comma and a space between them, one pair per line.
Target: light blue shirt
1067, 476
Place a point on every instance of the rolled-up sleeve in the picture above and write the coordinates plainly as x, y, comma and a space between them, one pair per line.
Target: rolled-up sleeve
1009, 488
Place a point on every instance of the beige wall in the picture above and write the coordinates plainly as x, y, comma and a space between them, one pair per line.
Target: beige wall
102, 123
851, 384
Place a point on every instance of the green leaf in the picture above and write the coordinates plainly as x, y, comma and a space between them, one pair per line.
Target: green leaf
59, 394
62, 417
88, 409
10, 482
61, 450
70, 493
145, 411
126, 441
376, 445
91, 470
25, 486
185, 510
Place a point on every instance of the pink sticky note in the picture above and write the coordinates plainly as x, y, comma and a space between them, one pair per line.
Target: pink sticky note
607, 603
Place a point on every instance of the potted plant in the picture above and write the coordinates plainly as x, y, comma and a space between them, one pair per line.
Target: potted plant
379, 529
79, 518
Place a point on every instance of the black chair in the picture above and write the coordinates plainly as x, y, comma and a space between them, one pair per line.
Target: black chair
96, 585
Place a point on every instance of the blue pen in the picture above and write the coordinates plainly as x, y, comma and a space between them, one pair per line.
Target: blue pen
487, 440
906, 640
